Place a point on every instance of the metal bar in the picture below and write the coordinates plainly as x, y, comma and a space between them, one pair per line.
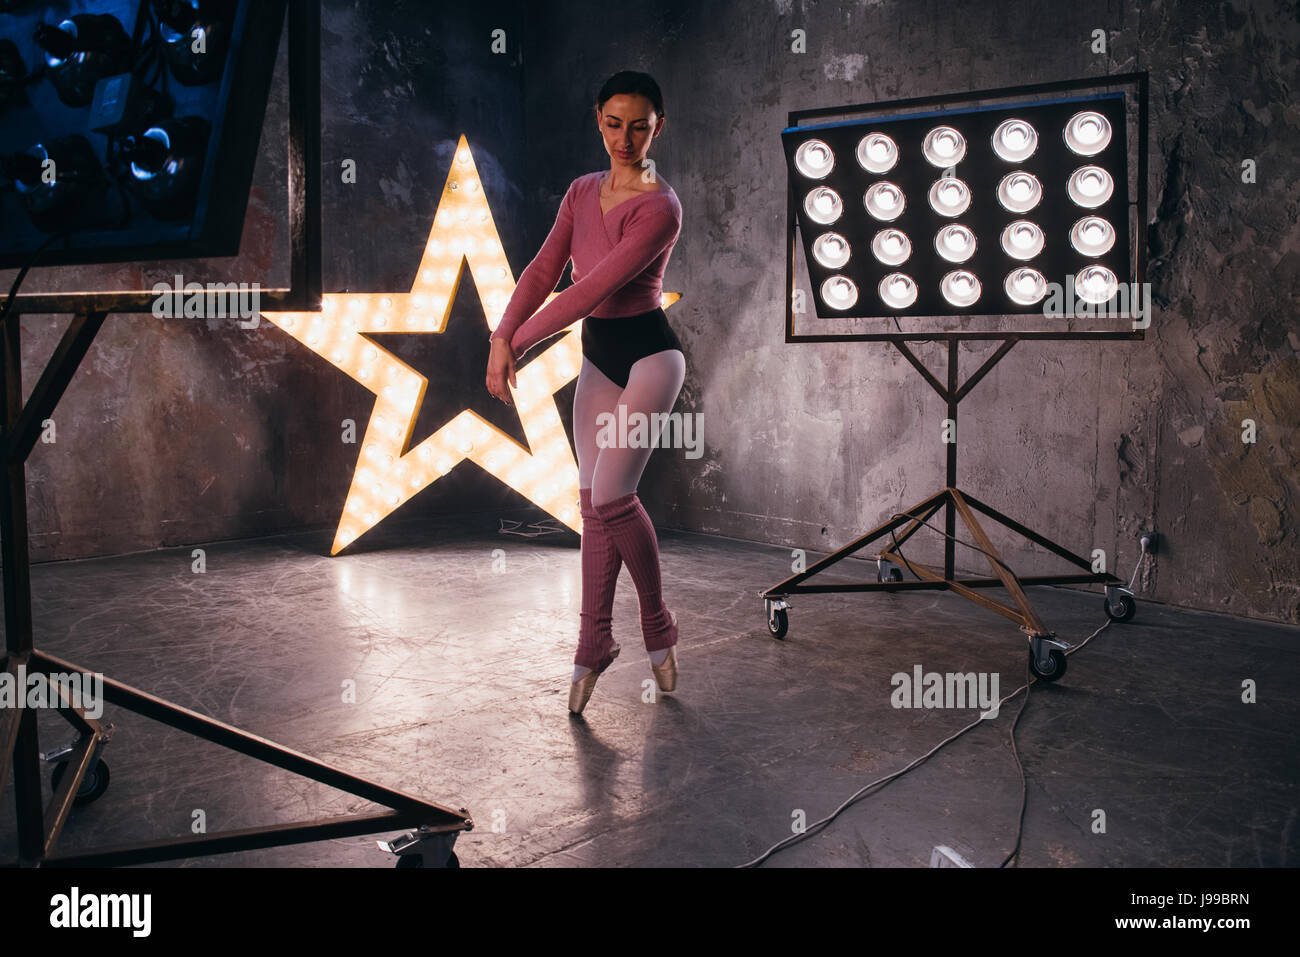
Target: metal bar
9, 724
61, 803
982, 600
849, 549
16, 575
891, 106
1028, 533
50, 387
917, 524
995, 562
950, 471
131, 301
304, 162
983, 370
246, 839
218, 732
1091, 334
940, 583
921, 368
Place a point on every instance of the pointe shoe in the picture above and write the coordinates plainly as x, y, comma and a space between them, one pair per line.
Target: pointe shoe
666, 673
580, 690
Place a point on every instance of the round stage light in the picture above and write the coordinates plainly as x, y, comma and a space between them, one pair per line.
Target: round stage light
955, 243
1092, 236
839, 292
823, 205
898, 290
1020, 192
1095, 284
1025, 286
960, 287
891, 247
1087, 133
884, 201
944, 146
831, 250
814, 159
1015, 140
1090, 186
949, 196
877, 153
1022, 240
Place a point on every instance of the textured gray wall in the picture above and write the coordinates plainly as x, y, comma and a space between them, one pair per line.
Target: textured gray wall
177, 433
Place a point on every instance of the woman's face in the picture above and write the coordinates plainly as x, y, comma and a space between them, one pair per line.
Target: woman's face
628, 123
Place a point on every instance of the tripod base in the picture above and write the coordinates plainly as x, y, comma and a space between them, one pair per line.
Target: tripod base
1047, 655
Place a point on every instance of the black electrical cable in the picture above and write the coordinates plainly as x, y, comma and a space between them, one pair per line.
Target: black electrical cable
820, 825
880, 782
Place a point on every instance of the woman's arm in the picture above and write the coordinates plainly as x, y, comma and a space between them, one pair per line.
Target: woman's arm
650, 231
539, 279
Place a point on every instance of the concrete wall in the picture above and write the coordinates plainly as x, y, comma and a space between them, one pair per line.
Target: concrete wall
178, 433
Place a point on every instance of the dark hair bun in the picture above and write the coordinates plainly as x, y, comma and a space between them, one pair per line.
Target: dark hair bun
630, 81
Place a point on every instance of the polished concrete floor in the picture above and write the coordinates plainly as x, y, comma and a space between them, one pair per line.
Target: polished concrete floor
1144, 754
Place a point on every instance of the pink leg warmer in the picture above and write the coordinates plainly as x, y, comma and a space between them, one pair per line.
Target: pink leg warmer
600, 567
632, 532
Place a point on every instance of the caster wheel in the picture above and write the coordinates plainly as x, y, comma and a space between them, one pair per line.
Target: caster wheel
1053, 672
778, 623
1121, 610
93, 785
895, 575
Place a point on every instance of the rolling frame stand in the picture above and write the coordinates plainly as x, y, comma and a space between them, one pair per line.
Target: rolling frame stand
1047, 658
80, 774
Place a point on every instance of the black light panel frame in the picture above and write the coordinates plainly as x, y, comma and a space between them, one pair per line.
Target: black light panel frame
1048, 108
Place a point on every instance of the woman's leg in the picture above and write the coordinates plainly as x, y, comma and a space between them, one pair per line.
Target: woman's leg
652, 387
601, 563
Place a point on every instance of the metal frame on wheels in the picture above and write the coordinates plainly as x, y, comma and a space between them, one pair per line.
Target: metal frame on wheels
1047, 655
39, 827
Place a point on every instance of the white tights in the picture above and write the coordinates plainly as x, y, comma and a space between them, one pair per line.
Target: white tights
652, 386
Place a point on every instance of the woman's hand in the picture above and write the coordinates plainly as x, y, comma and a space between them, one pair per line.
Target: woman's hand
500, 369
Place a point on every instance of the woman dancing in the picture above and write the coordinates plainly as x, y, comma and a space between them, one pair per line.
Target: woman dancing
619, 227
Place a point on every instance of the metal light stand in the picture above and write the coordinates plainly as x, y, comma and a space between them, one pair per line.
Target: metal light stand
1047, 655
84, 775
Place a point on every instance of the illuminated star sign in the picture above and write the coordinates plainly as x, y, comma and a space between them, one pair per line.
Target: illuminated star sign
463, 232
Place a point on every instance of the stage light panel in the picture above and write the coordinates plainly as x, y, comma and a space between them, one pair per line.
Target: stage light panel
1015, 140
898, 290
831, 250
1090, 186
1022, 240
885, 201
1025, 286
1092, 236
949, 197
960, 287
1032, 194
814, 159
839, 292
877, 153
1087, 133
823, 206
103, 74
955, 243
891, 247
